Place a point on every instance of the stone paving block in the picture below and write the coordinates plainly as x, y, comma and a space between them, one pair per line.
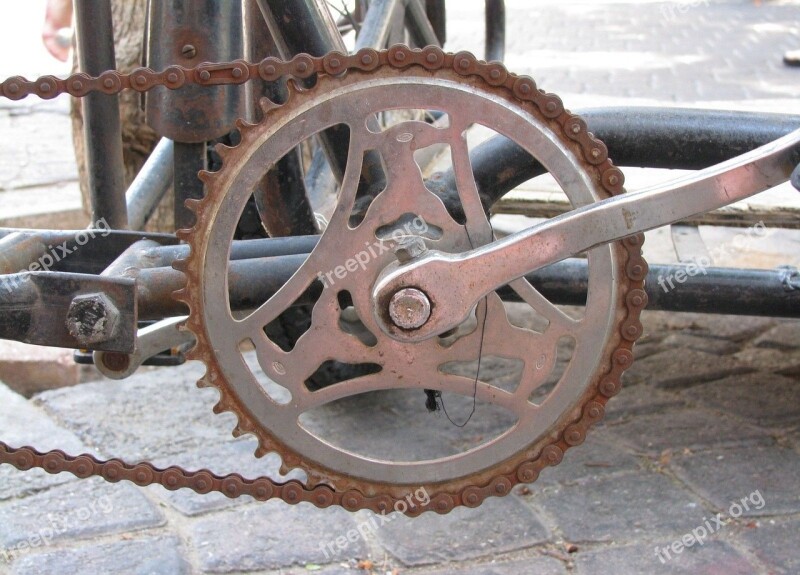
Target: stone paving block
344, 568
620, 508
401, 413
725, 476
775, 544
634, 401
81, 509
687, 428
597, 456
673, 369
733, 328
769, 360
37, 137
764, 399
498, 525
705, 344
274, 535
154, 556
29, 369
24, 424
538, 565
712, 558
233, 457
785, 337
151, 414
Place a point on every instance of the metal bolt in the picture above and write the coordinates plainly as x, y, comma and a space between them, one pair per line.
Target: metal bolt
189, 51
408, 248
92, 318
409, 308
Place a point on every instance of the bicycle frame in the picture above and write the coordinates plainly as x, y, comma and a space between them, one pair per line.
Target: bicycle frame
130, 271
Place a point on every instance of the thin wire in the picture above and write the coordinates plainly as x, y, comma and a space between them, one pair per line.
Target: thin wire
438, 394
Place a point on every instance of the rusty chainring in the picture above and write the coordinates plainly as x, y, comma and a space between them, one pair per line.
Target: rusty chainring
326, 487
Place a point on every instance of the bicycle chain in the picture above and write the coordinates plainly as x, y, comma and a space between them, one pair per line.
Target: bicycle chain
335, 64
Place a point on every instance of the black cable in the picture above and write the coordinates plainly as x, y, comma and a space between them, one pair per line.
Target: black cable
434, 397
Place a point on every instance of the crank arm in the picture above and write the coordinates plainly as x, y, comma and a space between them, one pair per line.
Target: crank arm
150, 341
454, 283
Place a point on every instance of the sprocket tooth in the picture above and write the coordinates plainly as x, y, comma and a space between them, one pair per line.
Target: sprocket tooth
267, 105
194, 204
184, 234
206, 176
223, 151
181, 266
194, 354
261, 451
243, 125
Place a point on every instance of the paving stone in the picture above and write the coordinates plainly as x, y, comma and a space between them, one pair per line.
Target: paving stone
733, 328
22, 423
790, 371
274, 535
620, 508
725, 476
636, 400
764, 399
775, 544
154, 556
151, 414
232, 457
498, 525
597, 456
36, 136
29, 369
705, 344
678, 370
712, 558
785, 337
688, 428
76, 510
538, 565
770, 360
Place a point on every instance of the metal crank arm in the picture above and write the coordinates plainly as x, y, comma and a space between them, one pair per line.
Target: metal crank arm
150, 341
453, 284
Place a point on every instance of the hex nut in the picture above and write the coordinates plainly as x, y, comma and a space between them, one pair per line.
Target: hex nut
92, 318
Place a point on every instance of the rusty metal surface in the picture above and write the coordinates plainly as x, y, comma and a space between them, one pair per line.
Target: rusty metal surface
49, 308
188, 32
324, 487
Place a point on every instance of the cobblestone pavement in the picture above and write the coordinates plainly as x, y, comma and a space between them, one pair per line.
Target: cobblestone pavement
703, 443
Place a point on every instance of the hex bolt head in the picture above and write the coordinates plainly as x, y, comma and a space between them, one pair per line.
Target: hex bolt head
409, 308
92, 318
408, 248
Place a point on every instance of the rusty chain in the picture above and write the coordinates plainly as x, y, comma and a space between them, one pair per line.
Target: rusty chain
303, 66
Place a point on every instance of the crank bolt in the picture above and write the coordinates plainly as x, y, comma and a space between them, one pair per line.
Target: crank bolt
409, 308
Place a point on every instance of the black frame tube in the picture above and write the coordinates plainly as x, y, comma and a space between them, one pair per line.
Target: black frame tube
495, 30
101, 120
